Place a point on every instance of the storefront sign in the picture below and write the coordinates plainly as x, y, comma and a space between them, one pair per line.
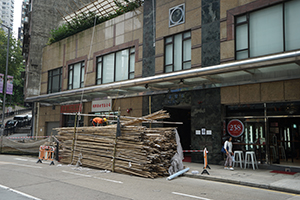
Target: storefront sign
235, 128
101, 105
73, 108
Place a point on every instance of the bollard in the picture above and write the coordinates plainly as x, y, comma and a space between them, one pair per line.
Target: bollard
205, 162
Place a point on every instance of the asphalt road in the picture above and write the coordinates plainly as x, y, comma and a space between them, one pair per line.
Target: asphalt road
22, 178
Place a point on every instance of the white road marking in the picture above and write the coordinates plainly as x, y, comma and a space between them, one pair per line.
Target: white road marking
192, 196
27, 160
77, 174
22, 159
104, 179
18, 192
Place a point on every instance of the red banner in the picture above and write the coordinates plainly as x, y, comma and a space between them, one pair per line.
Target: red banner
73, 108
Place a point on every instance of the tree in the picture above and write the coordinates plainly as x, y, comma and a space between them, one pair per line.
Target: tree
15, 67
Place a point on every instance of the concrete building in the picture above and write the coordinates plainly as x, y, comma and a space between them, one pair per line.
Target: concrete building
220, 67
40, 17
7, 13
24, 20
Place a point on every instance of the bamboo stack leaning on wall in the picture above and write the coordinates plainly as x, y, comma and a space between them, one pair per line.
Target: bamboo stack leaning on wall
140, 151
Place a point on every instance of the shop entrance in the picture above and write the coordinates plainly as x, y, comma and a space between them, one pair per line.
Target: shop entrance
254, 138
181, 114
285, 141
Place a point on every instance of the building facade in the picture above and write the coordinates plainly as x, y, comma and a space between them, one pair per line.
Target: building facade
24, 20
7, 13
221, 67
38, 19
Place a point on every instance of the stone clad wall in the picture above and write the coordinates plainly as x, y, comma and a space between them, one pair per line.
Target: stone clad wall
116, 34
205, 113
261, 92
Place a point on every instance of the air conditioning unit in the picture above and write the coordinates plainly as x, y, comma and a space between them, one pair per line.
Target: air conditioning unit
177, 15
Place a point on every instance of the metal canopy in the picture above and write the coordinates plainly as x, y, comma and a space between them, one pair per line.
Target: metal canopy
249, 71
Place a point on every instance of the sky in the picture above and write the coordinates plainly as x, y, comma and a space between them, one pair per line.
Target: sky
17, 17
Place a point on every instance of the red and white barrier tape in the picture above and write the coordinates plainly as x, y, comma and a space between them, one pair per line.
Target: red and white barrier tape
193, 151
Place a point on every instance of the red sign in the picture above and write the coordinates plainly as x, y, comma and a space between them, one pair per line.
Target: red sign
235, 128
71, 108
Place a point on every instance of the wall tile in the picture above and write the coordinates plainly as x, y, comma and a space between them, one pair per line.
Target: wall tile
196, 37
292, 90
230, 95
196, 56
227, 49
250, 93
272, 91
193, 18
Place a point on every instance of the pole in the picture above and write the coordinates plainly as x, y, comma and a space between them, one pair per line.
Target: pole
6, 69
73, 143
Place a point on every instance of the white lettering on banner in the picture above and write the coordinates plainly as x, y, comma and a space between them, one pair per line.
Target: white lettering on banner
101, 105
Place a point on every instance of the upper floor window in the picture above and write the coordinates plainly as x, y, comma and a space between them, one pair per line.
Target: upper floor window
76, 75
178, 52
271, 30
54, 80
116, 66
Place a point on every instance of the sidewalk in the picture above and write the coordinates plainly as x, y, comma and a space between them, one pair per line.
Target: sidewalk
261, 178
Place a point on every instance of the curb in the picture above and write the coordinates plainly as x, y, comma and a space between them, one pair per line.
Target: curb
256, 185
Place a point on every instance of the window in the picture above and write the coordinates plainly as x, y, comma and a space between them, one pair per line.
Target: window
116, 66
54, 80
271, 30
76, 76
178, 52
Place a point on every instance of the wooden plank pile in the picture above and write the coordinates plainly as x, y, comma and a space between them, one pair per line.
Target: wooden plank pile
140, 151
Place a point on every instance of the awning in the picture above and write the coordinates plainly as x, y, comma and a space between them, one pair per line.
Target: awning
285, 66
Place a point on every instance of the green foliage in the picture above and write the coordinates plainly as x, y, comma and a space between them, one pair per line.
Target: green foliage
85, 21
15, 67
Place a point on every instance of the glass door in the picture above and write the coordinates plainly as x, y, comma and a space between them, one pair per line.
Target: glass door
285, 140
254, 138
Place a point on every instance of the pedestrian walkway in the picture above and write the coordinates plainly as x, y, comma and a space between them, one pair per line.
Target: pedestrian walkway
261, 178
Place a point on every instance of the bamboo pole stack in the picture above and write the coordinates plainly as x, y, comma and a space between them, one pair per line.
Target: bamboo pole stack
140, 151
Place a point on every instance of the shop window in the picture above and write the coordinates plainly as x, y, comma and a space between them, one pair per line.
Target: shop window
54, 80
271, 30
116, 66
178, 52
76, 76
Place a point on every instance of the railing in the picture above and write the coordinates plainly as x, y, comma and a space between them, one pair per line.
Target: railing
15, 112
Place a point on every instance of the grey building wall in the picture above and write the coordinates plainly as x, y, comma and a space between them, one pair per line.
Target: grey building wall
44, 16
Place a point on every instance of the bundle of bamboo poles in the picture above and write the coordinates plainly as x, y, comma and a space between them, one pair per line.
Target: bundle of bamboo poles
140, 151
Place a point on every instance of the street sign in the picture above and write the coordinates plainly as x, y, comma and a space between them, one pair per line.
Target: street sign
235, 128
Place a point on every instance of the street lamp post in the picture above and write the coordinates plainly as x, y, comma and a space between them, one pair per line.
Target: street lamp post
6, 69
